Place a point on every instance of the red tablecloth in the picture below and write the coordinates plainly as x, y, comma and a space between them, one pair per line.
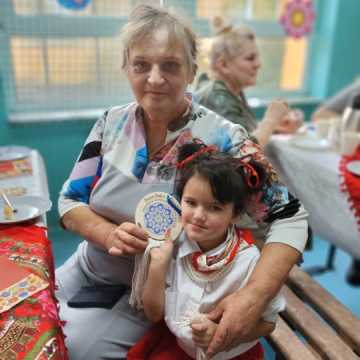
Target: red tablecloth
32, 329
351, 184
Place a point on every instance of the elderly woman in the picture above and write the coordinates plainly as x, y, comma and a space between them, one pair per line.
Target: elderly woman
131, 151
234, 64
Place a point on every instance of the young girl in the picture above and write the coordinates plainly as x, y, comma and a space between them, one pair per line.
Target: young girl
211, 259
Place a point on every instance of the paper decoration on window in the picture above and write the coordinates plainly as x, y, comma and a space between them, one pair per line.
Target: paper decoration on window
74, 4
298, 17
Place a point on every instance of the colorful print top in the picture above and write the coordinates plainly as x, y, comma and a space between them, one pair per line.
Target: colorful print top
114, 171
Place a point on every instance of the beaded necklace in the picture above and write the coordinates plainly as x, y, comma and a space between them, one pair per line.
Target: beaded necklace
201, 267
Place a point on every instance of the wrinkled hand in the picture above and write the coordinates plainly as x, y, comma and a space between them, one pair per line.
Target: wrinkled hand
203, 330
238, 313
276, 111
160, 256
126, 239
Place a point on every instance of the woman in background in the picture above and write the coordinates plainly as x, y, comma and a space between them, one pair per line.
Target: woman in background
234, 64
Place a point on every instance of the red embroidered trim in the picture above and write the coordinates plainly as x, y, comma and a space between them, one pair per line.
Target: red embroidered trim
350, 184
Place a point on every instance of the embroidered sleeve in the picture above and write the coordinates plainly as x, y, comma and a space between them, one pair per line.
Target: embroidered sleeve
291, 227
86, 171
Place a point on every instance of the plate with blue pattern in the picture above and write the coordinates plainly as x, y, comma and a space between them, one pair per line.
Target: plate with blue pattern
159, 213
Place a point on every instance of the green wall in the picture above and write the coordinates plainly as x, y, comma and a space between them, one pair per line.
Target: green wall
335, 62
336, 47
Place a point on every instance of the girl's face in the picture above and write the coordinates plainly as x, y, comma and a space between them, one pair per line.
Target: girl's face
205, 219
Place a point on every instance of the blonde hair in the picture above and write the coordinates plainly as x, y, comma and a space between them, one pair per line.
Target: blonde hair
230, 42
145, 19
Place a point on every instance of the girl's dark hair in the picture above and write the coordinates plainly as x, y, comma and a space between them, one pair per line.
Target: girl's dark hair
228, 180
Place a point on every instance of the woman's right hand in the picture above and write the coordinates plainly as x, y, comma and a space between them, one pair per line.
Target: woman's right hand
276, 111
126, 239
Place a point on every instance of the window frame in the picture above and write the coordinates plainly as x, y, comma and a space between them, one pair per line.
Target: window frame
12, 24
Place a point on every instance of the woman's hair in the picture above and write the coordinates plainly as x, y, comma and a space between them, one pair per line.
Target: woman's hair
145, 19
227, 176
229, 42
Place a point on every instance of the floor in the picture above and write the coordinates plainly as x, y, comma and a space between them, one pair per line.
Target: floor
334, 281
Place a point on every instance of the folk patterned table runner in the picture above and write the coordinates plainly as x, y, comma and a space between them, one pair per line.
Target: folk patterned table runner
32, 328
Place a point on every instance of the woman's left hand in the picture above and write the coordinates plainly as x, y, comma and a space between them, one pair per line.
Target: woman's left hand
126, 239
246, 306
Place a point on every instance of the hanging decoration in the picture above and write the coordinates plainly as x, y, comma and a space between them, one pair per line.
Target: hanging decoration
298, 17
74, 4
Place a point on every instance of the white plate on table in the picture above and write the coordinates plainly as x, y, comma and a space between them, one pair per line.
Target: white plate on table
354, 167
28, 207
14, 152
310, 141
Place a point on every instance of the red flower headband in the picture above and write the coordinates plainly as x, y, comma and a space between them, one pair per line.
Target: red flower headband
251, 175
205, 149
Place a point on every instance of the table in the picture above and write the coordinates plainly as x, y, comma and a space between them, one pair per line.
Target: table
35, 184
313, 176
32, 328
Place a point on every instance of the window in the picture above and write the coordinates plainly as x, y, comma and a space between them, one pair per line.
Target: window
59, 60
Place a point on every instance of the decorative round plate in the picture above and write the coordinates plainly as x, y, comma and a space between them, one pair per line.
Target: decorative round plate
157, 213
14, 152
354, 167
27, 208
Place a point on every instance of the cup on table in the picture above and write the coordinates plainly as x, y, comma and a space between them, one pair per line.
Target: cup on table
349, 142
322, 128
334, 132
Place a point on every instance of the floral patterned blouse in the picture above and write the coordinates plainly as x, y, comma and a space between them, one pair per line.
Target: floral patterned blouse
114, 171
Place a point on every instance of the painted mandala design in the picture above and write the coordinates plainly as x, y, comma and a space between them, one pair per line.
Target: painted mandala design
298, 17
158, 218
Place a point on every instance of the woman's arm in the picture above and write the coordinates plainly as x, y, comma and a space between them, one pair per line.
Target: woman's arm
248, 304
324, 113
123, 239
154, 289
262, 328
275, 112
75, 212
285, 241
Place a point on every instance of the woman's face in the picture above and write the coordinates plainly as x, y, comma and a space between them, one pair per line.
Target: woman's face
244, 67
205, 219
159, 75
